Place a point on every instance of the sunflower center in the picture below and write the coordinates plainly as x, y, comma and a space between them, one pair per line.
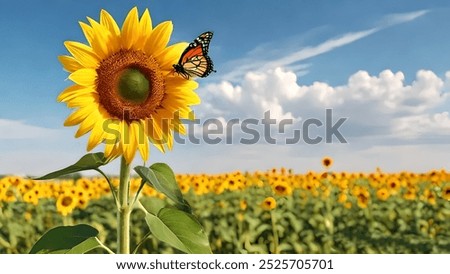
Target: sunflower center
67, 201
133, 86
130, 85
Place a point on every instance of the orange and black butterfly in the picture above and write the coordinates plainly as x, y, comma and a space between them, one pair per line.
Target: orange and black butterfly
194, 61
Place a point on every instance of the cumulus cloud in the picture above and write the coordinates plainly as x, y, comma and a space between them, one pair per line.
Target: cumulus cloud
382, 104
427, 125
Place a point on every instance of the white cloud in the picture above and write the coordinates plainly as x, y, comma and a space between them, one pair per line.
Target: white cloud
374, 104
13, 129
398, 18
248, 64
427, 125
290, 60
326, 46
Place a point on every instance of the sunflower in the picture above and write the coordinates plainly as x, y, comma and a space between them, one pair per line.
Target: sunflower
362, 195
363, 199
27, 216
383, 194
184, 186
282, 188
410, 194
243, 204
393, 185
429, 196
31, 197
327, 162
66, 202
446, 193
8, 195
125, 92
342, 198
269, 203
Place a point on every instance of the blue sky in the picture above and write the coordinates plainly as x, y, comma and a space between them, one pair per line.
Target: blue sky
382, 64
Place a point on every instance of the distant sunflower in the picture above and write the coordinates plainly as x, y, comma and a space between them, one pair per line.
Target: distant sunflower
327, 162
125, 92
269, 203
282, 188
66, 203
393, 185
429, 196
8, 195
243, 204
410, 194
383, 194
446, 193
363, 196
342, 198
32, 197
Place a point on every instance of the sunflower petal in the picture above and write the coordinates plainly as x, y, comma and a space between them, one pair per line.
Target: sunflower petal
83, 54
130, 29
111, 128
84, 77
154, 133
176, 82
87, 31
159, 38
170, 140
73, 91
112, 151
141, 139
82, 100
186, 97
145, 26
170, 56
78, 116
96, 136
108, 21
69, 63
101, 41
179, 127
127, 142
87, 124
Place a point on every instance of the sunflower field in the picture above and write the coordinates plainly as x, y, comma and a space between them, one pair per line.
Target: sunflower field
274, 211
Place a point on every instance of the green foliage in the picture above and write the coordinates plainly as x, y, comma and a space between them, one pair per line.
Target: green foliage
67, 239
179, 229
87, 162
304, 224
161, 177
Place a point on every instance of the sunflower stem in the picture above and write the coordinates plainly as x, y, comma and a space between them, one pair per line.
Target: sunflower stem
124, 210
275, 234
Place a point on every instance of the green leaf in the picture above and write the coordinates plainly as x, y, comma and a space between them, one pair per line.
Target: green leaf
152, 204
67, 239
180, 230
161, 177
87, 162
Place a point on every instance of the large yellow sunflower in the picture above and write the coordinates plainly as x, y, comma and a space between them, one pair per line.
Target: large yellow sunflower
125, 92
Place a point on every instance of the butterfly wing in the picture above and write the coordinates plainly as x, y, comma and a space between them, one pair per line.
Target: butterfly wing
204, 39
198, 65
194, 61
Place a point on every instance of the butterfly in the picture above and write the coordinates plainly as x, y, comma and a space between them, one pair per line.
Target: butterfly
194, 61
